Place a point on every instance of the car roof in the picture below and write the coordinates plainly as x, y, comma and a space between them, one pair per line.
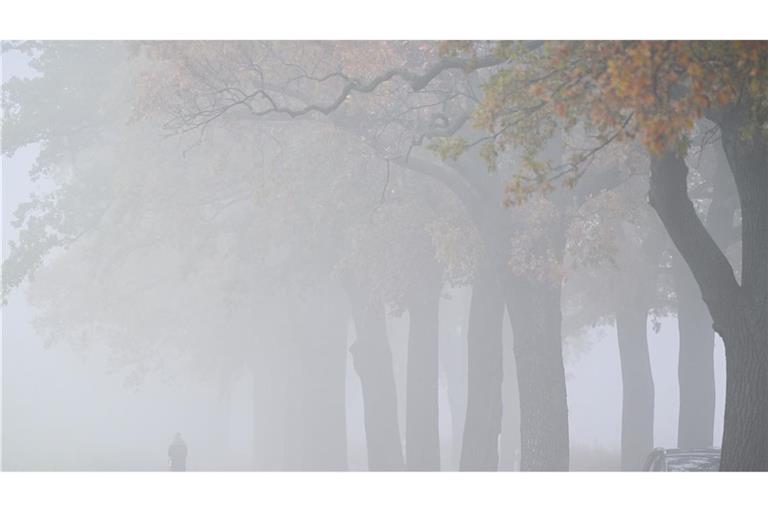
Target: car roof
690, 450
693, 460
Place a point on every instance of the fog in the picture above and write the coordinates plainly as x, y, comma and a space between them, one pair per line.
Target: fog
300, 259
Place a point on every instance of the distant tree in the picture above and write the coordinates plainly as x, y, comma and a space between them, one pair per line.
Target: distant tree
421, 101
619, 276
257, 196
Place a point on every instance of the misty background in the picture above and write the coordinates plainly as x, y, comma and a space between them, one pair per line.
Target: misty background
64, 410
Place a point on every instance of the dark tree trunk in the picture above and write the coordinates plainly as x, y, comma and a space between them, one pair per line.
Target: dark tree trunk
637, 386
422, 438
480, 447
745, 433
745, 323
372, 360
696, 368
738, 310
534, 309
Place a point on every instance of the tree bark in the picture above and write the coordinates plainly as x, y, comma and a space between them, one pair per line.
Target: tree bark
422, 438
535, 312
372, 360
745, 330
534, 309
637, 385
745, 432
480, 447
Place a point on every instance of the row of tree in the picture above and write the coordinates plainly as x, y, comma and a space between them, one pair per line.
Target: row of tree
270, 181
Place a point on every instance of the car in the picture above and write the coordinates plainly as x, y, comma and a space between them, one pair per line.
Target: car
677, 459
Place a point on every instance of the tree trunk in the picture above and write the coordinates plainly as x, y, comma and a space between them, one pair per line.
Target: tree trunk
372, 360
454, 315
480, 447
745, 326
422, 438
738, 310
535, 312
745, 433
534, 309
637, 386
295, 381
696, 368
509, 452
324, 365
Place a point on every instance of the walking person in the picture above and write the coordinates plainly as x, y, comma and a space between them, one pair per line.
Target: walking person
177, 454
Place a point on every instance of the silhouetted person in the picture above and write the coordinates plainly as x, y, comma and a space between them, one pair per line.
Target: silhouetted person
177, 454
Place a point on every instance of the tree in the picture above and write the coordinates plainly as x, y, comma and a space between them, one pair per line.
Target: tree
714, 195
348, 104
657, 91
616, 277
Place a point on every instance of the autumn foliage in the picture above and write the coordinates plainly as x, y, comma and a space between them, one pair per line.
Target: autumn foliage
652, 90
